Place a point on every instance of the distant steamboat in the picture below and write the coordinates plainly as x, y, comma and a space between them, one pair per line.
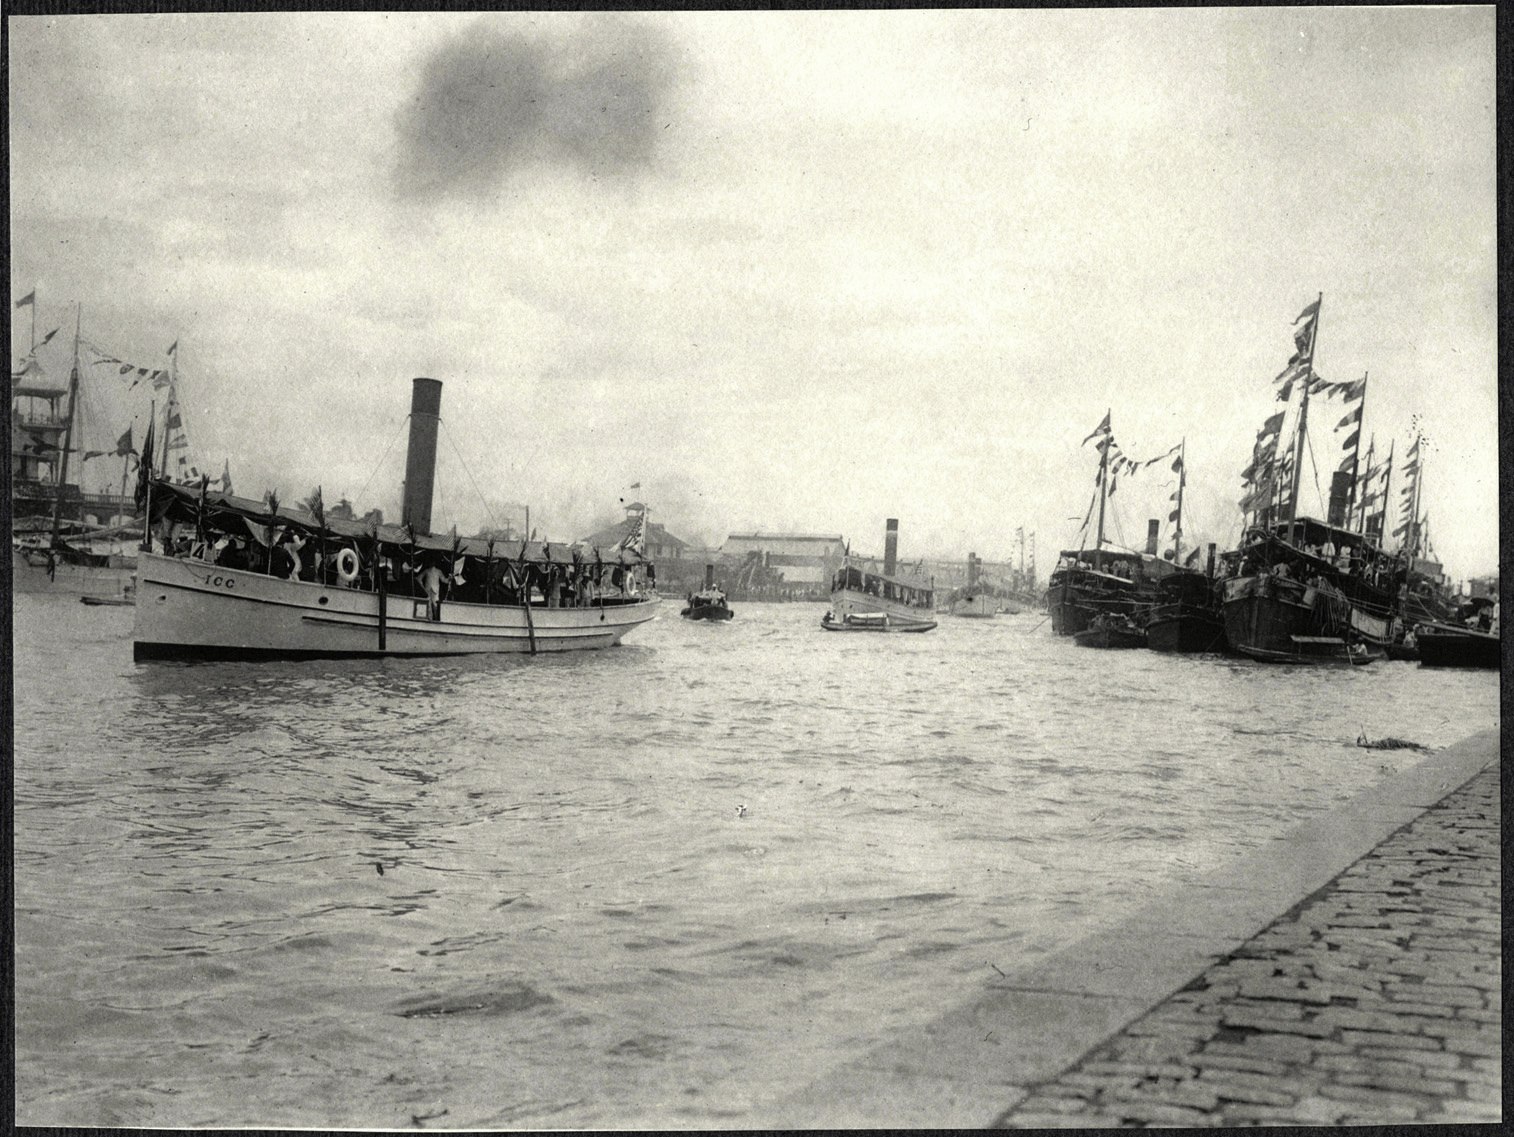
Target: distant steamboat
865, 600
276, 582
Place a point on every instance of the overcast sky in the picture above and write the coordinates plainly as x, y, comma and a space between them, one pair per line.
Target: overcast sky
796, 272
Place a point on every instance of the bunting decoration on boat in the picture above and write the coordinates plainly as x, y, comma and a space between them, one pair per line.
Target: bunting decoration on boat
144, 469
1301, 363
1102, 428
36, 444
30, 299
123, 448
635, 540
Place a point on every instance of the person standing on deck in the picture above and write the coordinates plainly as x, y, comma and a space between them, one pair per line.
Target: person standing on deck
431, 580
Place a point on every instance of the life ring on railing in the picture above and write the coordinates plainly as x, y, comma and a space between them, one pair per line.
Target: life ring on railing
347, 566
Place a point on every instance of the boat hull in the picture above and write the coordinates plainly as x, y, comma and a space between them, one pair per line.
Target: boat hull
1459, 649
976, 607
886, 624
876, 614
1103, 635
1186, 632
1075, 599
1281, 621
189, 609
711, 612
29, 575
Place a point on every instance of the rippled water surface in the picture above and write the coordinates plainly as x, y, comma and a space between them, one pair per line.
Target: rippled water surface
577, 923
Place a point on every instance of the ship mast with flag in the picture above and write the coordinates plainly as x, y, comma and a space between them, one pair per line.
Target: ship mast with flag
1106, 579
1302, 589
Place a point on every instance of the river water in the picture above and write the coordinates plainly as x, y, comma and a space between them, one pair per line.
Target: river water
649, 886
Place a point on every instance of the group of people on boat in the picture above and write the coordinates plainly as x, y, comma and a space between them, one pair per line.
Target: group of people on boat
882, 587
290, 550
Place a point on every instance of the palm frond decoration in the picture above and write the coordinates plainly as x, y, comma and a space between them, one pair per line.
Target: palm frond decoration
317, 509
412, 553
273, 525
455, 567
201, 510
375, 556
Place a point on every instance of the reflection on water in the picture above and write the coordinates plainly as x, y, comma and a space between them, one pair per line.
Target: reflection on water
645, 886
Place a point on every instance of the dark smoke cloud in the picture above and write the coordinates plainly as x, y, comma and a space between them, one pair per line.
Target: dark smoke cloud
491, 103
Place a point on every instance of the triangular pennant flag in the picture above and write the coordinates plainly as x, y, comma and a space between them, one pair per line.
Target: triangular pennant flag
1102, 428
1354, 416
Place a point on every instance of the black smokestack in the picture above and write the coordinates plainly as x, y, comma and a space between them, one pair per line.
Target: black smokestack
890, 545
1340, 493
709, 576
489, 103
1153, 532
972, 569
420, 462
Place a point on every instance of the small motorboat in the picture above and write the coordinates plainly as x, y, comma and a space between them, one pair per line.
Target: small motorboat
709, 603
1111, 630
873, 622
1441, 646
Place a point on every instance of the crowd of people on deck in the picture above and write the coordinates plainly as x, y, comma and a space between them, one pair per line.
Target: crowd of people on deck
339, 562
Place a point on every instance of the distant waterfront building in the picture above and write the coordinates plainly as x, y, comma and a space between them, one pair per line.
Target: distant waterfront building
1480, 586
793, 562
660, 547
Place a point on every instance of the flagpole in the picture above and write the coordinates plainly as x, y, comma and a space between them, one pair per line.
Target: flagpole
1303, 423
1383, 536
1177, 534
1103, 479
167, 418
68, 429
1419, 480
34, 321
1356, 456
1363, 490
144, 460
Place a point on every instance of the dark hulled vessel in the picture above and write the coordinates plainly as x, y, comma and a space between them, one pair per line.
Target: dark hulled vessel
1188, 616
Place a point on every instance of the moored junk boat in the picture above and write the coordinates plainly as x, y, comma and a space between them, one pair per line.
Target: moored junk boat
1105, 579
709, 603
1446, 646
866, 600
241, 579
1470, 639
1188, 615
1301, 590
1111, 630
1089, 582
1288, 603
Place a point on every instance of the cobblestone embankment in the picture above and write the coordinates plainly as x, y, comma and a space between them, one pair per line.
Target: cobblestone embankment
1375, 1001
1349, 972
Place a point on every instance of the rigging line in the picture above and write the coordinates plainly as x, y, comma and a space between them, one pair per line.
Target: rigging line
493, 524
380, 463
1313, 464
